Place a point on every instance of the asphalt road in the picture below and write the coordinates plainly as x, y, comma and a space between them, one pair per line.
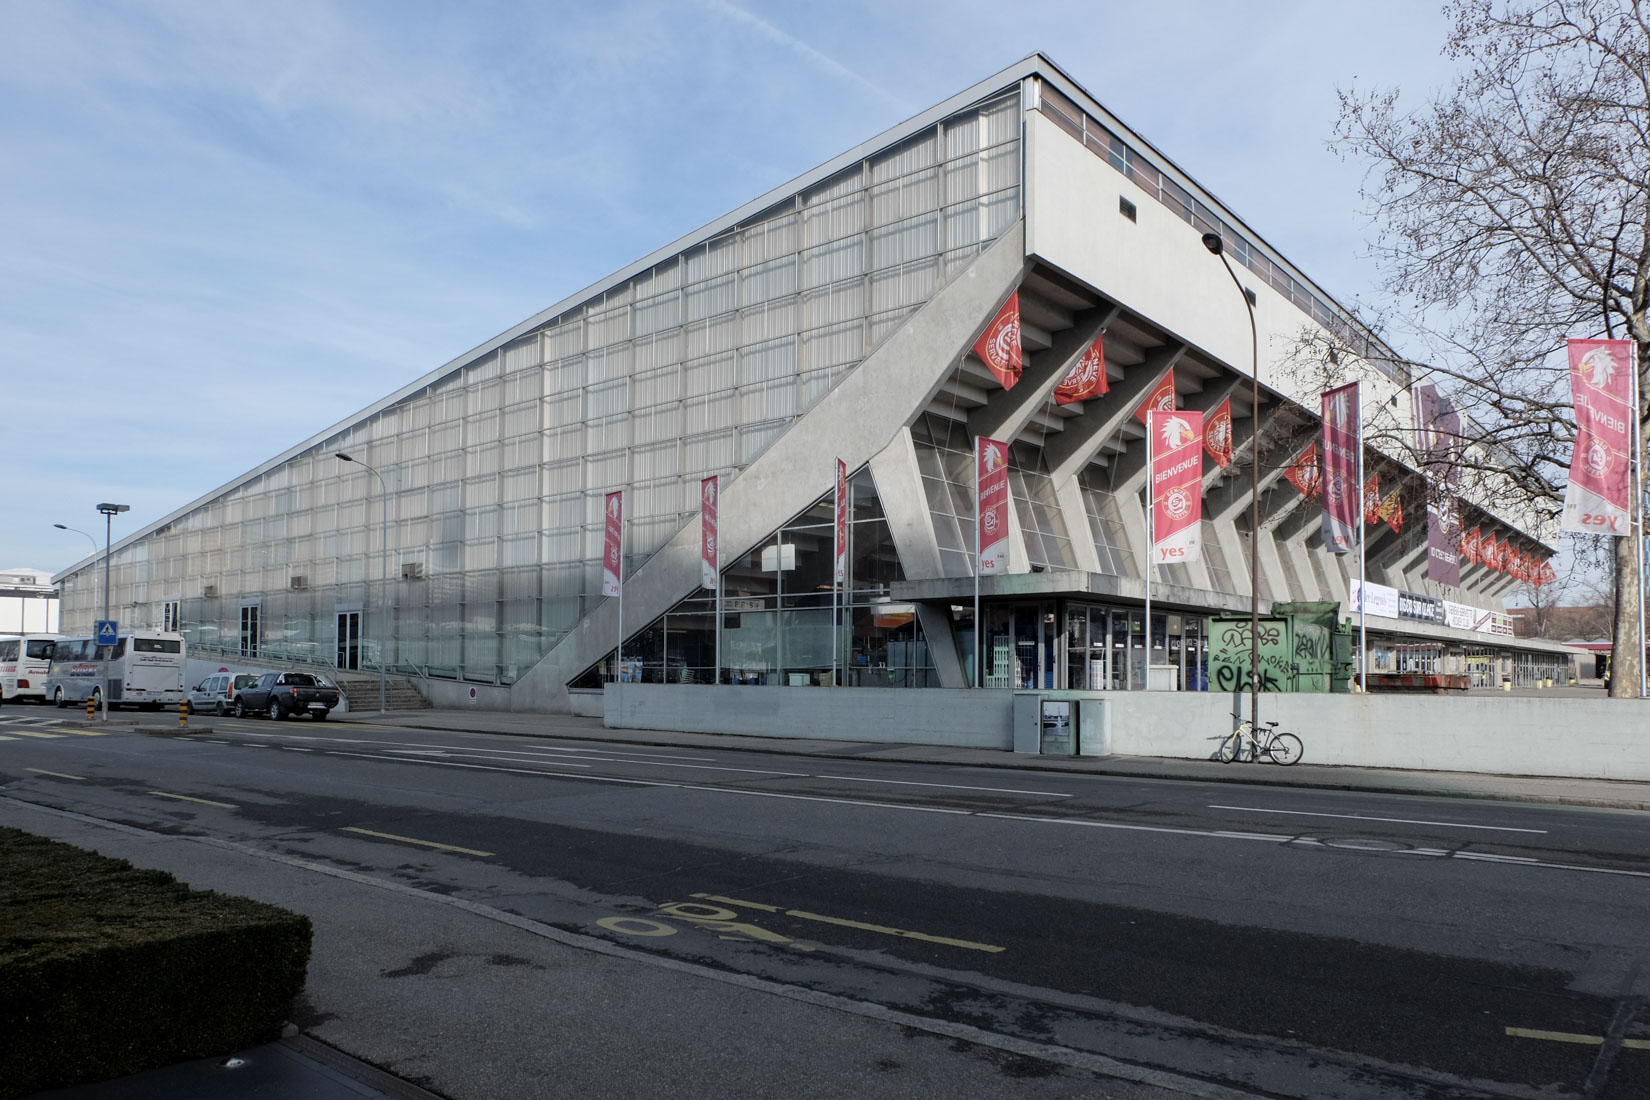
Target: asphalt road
1285, 942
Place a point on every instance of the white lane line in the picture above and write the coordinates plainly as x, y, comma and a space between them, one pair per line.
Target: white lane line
947, 786
702, 767
471, 756
546, 750
1389, 820
1269, 838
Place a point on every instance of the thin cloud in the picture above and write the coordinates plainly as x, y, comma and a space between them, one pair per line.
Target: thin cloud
814, 57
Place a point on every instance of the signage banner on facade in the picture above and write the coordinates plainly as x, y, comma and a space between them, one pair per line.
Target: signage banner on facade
1503, 556
1177, 485
1304, 473
999, 347
1161, 399
707, 532
1444, 540
991, 503
1487, 550
1437, 426
1598, 497
1377, 599
1459, 615
613, 510
1342, 442
1372, 501
1217, 434
841, 555
1087, 377
1419, 608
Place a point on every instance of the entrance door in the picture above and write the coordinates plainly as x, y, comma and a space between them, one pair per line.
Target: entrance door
349, 640
249, 630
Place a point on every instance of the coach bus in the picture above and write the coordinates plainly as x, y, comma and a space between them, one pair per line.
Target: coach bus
24, 661
143, 668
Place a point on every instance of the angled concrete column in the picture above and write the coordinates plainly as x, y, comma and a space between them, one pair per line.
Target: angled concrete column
1006, 412
1075, 511
1084, 435
1232, 496
935, 622
859, 417
905, 504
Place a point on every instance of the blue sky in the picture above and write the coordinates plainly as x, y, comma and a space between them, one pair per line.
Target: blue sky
227, 226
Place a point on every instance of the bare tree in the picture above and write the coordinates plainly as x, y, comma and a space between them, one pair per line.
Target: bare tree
1514, 211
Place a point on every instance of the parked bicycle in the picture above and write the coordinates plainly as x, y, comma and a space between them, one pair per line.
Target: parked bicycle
1244, 746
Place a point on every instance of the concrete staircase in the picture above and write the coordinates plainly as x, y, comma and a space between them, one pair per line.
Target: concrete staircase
361, 689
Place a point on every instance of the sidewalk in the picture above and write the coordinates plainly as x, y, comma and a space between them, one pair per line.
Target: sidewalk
1604, 793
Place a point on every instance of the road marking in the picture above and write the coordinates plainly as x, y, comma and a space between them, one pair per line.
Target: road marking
1571, 1037
701, 767
415, 840
1222, 834
947, 786
33, 733
85, 733
3, 737
818, 798
1390, 820
202, 801
60, 775
446, 752
845, 923
295, 748
636, 926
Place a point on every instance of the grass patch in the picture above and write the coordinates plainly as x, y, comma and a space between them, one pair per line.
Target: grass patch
107, 969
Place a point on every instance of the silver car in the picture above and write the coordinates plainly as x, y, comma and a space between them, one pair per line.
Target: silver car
216, 693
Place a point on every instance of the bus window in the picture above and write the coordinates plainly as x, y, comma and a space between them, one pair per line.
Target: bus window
8, 649
157, 645
40, 649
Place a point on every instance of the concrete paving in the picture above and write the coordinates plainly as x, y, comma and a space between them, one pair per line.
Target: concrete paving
1601, 793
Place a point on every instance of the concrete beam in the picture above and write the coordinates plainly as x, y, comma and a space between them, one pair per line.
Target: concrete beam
1084, 435
1007, 411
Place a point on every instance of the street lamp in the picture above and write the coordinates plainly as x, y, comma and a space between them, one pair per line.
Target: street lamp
109, 512
383, 571
1212, 242
78, 531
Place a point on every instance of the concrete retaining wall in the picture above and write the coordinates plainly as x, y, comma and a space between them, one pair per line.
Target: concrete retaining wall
938, 716
1583, 738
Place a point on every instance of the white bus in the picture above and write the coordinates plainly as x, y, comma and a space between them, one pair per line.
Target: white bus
24, 661
144, 668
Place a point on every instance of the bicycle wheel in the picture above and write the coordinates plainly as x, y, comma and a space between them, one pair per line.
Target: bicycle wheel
1231, 748
1285, 749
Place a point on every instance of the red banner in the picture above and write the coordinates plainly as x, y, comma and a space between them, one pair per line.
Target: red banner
1372, 500
1087, 378
1392, 510
999, 347
1217, 434
1487, 551
1471, 541
1598, 498
612, 568
1544, 574
708, 493
1161, 399
841, 555
1342, 444
1177, 485
1503, 556
991, 497
1304, 474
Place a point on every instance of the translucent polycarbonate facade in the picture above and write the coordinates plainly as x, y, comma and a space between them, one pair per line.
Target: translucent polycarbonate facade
494, 474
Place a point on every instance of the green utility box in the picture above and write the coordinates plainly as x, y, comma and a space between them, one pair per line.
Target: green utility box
1303, 647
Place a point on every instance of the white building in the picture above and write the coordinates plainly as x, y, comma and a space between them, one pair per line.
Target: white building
28, 602
831, 317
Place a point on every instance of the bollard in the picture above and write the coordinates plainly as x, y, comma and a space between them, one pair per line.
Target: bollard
183, 713
91, 708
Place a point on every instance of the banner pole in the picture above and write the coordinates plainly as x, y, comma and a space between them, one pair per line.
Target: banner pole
1638, 542
716, 554
1363, 564
979, 653
1151, 543
839, 552
618, 653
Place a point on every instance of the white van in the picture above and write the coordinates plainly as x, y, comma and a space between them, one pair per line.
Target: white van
216, 693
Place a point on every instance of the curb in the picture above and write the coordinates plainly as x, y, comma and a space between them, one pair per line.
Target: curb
1235, 778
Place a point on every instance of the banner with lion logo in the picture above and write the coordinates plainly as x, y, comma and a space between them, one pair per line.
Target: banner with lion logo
991, 503
1342, 444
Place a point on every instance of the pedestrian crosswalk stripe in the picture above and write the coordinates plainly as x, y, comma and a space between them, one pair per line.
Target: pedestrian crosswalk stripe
34, 733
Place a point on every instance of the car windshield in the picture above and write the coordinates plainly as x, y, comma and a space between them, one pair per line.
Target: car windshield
299, 679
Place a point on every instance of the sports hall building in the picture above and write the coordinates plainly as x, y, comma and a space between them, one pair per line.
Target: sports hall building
830, 318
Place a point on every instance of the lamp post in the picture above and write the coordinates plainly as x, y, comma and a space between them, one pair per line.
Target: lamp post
383, 570
79, 532
109, 512
1212, 242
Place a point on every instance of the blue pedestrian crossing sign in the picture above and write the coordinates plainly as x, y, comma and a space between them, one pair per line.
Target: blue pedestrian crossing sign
107, 632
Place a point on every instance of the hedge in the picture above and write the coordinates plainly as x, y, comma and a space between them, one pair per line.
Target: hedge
108, 970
